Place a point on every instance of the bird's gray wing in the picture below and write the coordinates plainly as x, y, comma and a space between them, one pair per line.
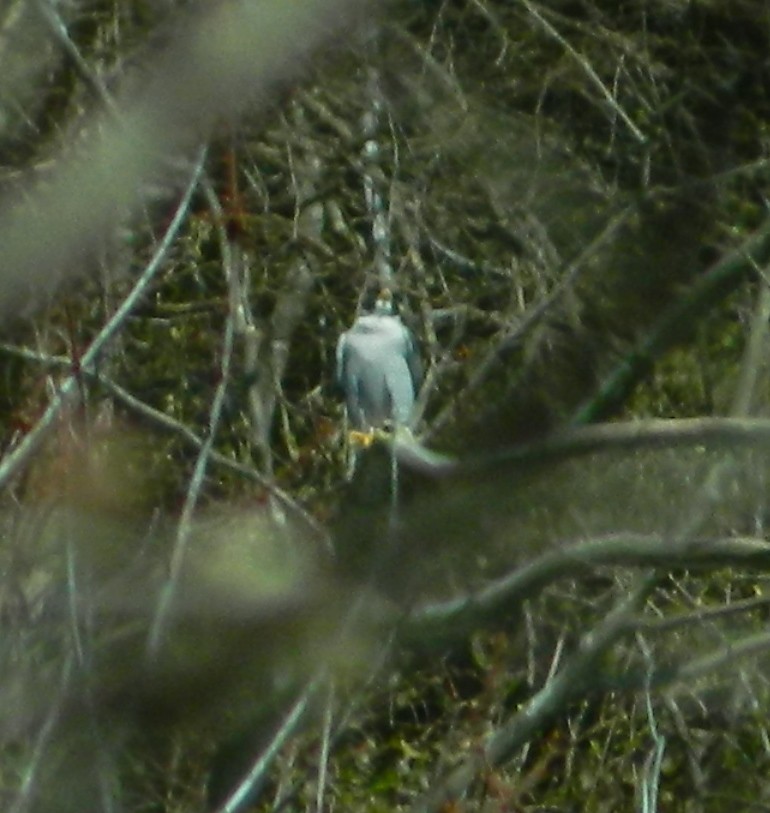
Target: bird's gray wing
413, 360
339, 371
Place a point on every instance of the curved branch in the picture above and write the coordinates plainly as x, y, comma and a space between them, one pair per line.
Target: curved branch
495, 603
656, 433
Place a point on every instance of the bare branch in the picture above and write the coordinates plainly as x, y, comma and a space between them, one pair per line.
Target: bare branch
163, 421
219, 61
68, 393
160, 620
260, 766
586, 66
566, 684
515, 333
58, 29
498, 600
631, 435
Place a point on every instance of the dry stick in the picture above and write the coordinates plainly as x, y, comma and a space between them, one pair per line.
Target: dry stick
650, 781
68, 393
323, 757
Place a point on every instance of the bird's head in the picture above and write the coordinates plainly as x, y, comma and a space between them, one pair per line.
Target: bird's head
384, 304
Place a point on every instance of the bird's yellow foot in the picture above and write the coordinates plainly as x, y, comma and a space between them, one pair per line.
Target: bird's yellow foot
363, 439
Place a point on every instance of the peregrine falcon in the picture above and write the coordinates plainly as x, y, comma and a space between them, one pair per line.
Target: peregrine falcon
378, 368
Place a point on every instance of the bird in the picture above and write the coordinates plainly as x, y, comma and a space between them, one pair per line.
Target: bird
379, 370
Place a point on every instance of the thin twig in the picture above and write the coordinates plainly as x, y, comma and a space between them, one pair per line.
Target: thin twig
754, 355
165, 422
701, 614
161, 618
650, 786
68, 393
586, 66
27, 790
514, 335
241, 794
690, 669
58, 28
323, 757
